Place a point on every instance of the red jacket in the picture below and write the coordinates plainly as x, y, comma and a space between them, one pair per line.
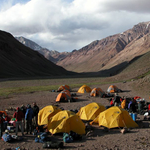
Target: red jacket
18, 115
149, 107
7, 118
111, 103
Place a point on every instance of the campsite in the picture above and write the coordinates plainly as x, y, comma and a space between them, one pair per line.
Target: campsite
97, 137
83, 83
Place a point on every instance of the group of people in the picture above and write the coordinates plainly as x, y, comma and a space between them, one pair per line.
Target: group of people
25, 118
132, 104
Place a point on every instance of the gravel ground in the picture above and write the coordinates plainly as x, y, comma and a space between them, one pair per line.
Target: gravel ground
98, 138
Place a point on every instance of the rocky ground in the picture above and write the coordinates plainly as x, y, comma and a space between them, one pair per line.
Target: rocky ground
98, 138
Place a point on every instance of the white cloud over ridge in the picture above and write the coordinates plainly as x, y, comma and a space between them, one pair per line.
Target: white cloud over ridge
70, 24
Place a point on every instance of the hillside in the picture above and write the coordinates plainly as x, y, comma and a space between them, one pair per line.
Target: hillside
137, 68
18, 60
116, 50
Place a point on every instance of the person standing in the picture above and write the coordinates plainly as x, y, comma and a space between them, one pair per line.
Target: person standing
116, 100
1, 124
23, 109
133, 106
35, 111
140, 107
19, 117
28, 117
123, 103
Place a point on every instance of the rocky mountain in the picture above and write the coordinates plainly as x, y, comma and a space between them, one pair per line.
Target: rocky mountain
18, 60
51, 55
29, 43
112, 53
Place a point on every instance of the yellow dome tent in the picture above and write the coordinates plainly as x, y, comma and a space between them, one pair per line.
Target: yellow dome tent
97, 92
84, 89
90, 111
66, 121
116, 117
46, 113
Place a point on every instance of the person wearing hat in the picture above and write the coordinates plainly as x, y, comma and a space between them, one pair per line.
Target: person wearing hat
19, 117
6, 137
6, 131
28, 117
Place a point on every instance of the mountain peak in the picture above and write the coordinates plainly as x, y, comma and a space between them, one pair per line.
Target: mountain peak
28, 43
51, 55
110, 51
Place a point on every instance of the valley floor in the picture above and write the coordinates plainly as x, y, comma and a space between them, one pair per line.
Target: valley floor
137, 138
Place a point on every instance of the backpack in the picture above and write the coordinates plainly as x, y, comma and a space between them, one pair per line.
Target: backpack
6, 137
41, 137
67, 138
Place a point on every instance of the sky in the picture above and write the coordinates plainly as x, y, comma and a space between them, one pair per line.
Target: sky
65, 25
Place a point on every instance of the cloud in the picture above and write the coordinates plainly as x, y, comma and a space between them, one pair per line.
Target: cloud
70, 24
128, 5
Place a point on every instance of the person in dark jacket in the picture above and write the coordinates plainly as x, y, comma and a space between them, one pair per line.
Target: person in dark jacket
140, 107
23, 109
116, 100
28, 117
19, 120
132, 106
35, 118
1, 124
